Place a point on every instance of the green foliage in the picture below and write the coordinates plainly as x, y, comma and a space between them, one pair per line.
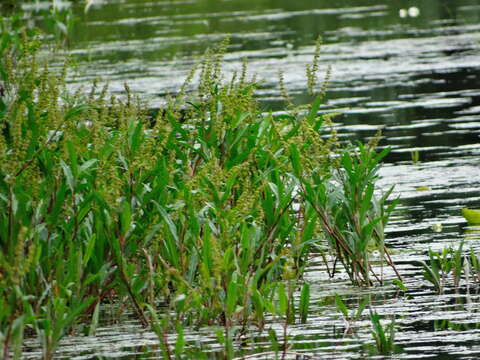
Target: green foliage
384, 336
472, 216
475, 266
450, 262
352, 216
350, 317
211, 208
304, 302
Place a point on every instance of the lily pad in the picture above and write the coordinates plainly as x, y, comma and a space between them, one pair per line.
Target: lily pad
472, 216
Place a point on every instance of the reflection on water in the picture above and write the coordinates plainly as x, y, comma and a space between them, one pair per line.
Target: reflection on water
415, 75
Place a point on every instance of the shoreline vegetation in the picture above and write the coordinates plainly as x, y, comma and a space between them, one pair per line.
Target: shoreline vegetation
205, 215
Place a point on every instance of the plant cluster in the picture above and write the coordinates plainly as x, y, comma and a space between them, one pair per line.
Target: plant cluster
384, 336
451, 263
203, 215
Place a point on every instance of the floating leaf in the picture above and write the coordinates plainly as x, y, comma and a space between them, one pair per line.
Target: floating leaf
472, 216
423, 188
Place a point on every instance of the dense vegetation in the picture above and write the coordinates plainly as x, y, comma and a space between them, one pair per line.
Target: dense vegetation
204, 214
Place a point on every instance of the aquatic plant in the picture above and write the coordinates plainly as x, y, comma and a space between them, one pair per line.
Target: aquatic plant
439, 266
475, 265
352, 316
56, 20
449, 260
205, 214
384, 336
352, 216
472, 216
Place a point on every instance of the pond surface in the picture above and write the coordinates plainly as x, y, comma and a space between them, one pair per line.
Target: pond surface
413, 73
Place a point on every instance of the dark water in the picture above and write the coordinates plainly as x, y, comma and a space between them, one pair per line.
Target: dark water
414, 73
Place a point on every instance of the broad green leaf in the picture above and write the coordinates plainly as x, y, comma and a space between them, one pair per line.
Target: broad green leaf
472, 216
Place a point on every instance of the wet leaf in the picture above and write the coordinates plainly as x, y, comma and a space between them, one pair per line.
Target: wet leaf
423, 188
472, 216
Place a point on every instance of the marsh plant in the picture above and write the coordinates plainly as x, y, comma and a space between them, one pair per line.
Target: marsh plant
350, 317
384, 335
446, 267
55, 18
205, 214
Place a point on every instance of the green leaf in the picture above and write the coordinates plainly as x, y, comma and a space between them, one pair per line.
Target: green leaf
367, 200
86, 165
258, 304
207, 255
312, 115
180, 341
304, 302
168, 220
341, 306
232, 294
135, 137
400, 285
295, 159
72, 156
472, 216
431, 276
382, 154
282, 299
126, 217
361, 307
74, 312
68, 174
89, 249
77, 110
273, 339
84, 209
95, 319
